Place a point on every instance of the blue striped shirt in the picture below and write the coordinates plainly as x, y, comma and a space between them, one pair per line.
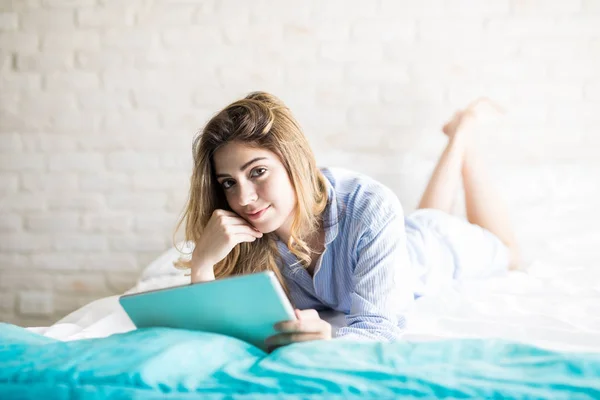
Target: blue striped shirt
365, 270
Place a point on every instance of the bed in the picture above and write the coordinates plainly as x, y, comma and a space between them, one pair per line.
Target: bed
531, 334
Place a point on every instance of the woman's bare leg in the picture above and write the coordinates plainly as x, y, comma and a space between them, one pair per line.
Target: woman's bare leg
441, 190
461, 160
484, 205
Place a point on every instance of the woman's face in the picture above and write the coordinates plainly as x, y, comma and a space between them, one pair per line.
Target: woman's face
257, 187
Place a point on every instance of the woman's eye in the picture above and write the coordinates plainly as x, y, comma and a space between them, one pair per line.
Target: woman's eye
258, 171
227, 184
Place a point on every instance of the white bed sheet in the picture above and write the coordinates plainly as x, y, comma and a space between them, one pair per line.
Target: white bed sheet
548, 306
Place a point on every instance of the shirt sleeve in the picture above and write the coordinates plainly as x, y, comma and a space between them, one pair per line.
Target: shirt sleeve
383, 280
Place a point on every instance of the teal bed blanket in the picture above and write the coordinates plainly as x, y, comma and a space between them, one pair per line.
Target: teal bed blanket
165, 363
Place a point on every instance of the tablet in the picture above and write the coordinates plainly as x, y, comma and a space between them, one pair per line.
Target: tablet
245, 307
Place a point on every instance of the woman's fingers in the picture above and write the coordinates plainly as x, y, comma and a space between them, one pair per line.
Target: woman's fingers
301, 325
243, 230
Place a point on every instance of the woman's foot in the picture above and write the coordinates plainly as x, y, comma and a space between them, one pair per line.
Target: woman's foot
463, 121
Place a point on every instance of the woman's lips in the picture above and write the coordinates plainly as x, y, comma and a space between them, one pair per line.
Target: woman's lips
259, 214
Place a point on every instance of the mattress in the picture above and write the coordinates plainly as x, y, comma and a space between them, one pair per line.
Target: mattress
552, 307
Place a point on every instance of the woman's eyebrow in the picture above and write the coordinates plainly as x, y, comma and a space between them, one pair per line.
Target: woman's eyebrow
243, 167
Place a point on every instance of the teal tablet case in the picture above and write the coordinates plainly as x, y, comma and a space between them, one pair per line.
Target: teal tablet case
245, 307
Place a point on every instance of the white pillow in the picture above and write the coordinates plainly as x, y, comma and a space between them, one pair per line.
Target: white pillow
163, 265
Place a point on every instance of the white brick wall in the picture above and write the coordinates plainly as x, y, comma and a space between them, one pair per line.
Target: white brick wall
99, 102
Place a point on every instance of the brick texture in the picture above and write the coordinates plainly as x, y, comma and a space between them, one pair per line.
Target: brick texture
100, 100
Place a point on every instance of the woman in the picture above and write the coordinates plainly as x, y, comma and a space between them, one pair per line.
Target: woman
334, 238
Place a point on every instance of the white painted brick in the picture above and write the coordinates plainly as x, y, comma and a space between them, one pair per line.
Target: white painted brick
176, 202
196, 38
66, 261
44, 61
127, 39
560, 92
408, 8
69, 41
73, 80
133, 121
23, 242
517, 27
179, 120
10, 222
592, 90
77, 123
305, 75
154, 242
19, 41
449, 30
23, 279
69, 3
85, 162
377, 30
10, 142
54, 142
513, 71
137, 201
374, 73
147, 99
351, 9
35, 302
52, 222
21, 80
108, 222
475, 8
80, 242
23, 201
112, 100
9, 182
173, 15
88, 283
7, 302
407, 94
579, 26
132, 161
543, 7
290, 12
379, 115
156, 222
105, 182
159, 181
181, 161
47, 20
343, 53
42, 104
13, 261
97, 60
20, 5
8, 21
115, 261
591, 6
574, 69
105, 17
6, 60
347, 94
105, 143
554, 50
75, 201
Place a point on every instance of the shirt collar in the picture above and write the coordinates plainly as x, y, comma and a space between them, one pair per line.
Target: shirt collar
330, 216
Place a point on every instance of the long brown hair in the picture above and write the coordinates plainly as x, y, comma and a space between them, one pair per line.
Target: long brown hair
264, 121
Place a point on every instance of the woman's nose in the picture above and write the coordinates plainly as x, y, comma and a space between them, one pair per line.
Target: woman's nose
247, 195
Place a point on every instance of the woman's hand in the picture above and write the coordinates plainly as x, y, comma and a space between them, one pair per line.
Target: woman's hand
308, 326
224, 230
